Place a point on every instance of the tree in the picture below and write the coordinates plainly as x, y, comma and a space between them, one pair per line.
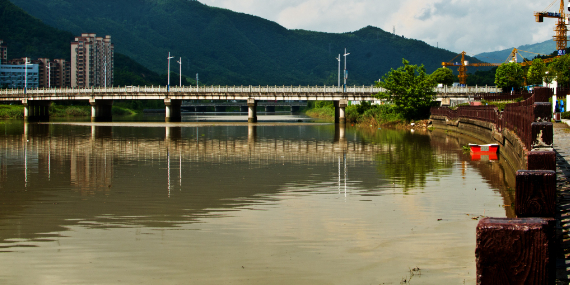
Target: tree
509, 76
410, 89
536, 72
560, 69
443, 75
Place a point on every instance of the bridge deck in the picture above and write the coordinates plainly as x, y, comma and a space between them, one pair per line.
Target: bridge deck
326, 93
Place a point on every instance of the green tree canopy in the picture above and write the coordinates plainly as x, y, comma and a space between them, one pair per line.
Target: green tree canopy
443, 75
536, 72
509, 75
410, 89
560, 69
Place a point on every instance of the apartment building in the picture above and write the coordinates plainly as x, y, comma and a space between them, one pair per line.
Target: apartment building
92, 61
3, 53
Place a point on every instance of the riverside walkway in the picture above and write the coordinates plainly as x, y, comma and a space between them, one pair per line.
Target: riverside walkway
562, 149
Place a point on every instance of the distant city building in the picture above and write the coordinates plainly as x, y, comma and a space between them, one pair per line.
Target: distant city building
54, 73
92, 61
3, 53
14, 75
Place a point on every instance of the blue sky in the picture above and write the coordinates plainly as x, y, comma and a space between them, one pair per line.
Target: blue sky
472, 25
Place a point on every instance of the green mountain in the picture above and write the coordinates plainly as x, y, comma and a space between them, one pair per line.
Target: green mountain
26, 36
546, 47
230, 48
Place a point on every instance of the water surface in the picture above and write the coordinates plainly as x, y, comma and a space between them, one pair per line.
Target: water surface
203, 203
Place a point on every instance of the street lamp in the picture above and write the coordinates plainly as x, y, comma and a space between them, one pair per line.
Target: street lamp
338, 58
168, 86
345, 73
26, 76
180, 73
49, 74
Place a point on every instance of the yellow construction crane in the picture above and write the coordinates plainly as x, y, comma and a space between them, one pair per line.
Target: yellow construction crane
561, 31
462, 67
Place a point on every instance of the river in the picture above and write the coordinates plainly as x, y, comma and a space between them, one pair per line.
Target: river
213, 202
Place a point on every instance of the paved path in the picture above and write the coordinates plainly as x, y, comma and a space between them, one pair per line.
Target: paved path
562, 148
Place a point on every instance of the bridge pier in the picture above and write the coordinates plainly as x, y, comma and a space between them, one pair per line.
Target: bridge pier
173, 133
339, 111
101, 110
173, 112
99, 132
270, 109
220, 109
36, 110
252, 110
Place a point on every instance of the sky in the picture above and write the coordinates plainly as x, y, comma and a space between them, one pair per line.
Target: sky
474, 26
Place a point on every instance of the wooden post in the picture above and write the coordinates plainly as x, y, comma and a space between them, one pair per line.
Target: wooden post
516, 251
535, 194
541, 160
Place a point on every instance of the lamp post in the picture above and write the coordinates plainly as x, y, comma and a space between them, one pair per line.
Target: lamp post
168, 86
345, 74
338, 58
105, 70
180, 73
49, 74
26, 76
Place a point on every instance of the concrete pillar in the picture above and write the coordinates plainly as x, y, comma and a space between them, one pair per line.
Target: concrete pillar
220, 109
173, 112
101, 110
243, 109
36, 110
252, 110
336, 112
270, 109
342, 104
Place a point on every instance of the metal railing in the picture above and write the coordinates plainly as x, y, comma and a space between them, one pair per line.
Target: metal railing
146, 90
517, 117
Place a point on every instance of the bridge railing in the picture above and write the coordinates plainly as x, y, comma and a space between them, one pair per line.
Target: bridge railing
145, 90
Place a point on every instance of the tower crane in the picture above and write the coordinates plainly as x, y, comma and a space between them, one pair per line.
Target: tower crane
561, 36
462, 67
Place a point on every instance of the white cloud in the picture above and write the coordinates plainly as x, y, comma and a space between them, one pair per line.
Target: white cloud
471, 25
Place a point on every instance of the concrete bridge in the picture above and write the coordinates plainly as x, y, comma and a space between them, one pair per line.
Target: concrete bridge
36, 101
269, 106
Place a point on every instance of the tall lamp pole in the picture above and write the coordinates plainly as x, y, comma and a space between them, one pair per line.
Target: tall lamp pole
26, 76
168, 86
180, 73
49, 74
338, 58
345, 74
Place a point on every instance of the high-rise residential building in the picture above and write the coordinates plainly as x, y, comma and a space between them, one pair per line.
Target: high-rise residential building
92, 61
3, 53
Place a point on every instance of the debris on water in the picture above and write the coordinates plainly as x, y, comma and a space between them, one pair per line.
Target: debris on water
439, 220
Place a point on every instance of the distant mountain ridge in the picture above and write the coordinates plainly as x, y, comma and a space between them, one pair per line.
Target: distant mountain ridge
227, 47
546, 47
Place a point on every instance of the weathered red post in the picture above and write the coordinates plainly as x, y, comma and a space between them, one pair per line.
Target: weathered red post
516, 251
535, 194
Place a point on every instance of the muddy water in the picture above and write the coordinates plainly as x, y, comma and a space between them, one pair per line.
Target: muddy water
199, 203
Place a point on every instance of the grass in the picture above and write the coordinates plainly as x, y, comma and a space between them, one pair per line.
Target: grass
17, 111
363, 114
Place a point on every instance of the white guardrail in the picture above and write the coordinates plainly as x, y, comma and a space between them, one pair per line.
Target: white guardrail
143, 90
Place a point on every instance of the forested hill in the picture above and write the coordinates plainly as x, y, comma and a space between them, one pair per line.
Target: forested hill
226, 47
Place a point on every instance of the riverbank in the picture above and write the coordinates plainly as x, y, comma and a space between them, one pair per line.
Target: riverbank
366, 115
17, 111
